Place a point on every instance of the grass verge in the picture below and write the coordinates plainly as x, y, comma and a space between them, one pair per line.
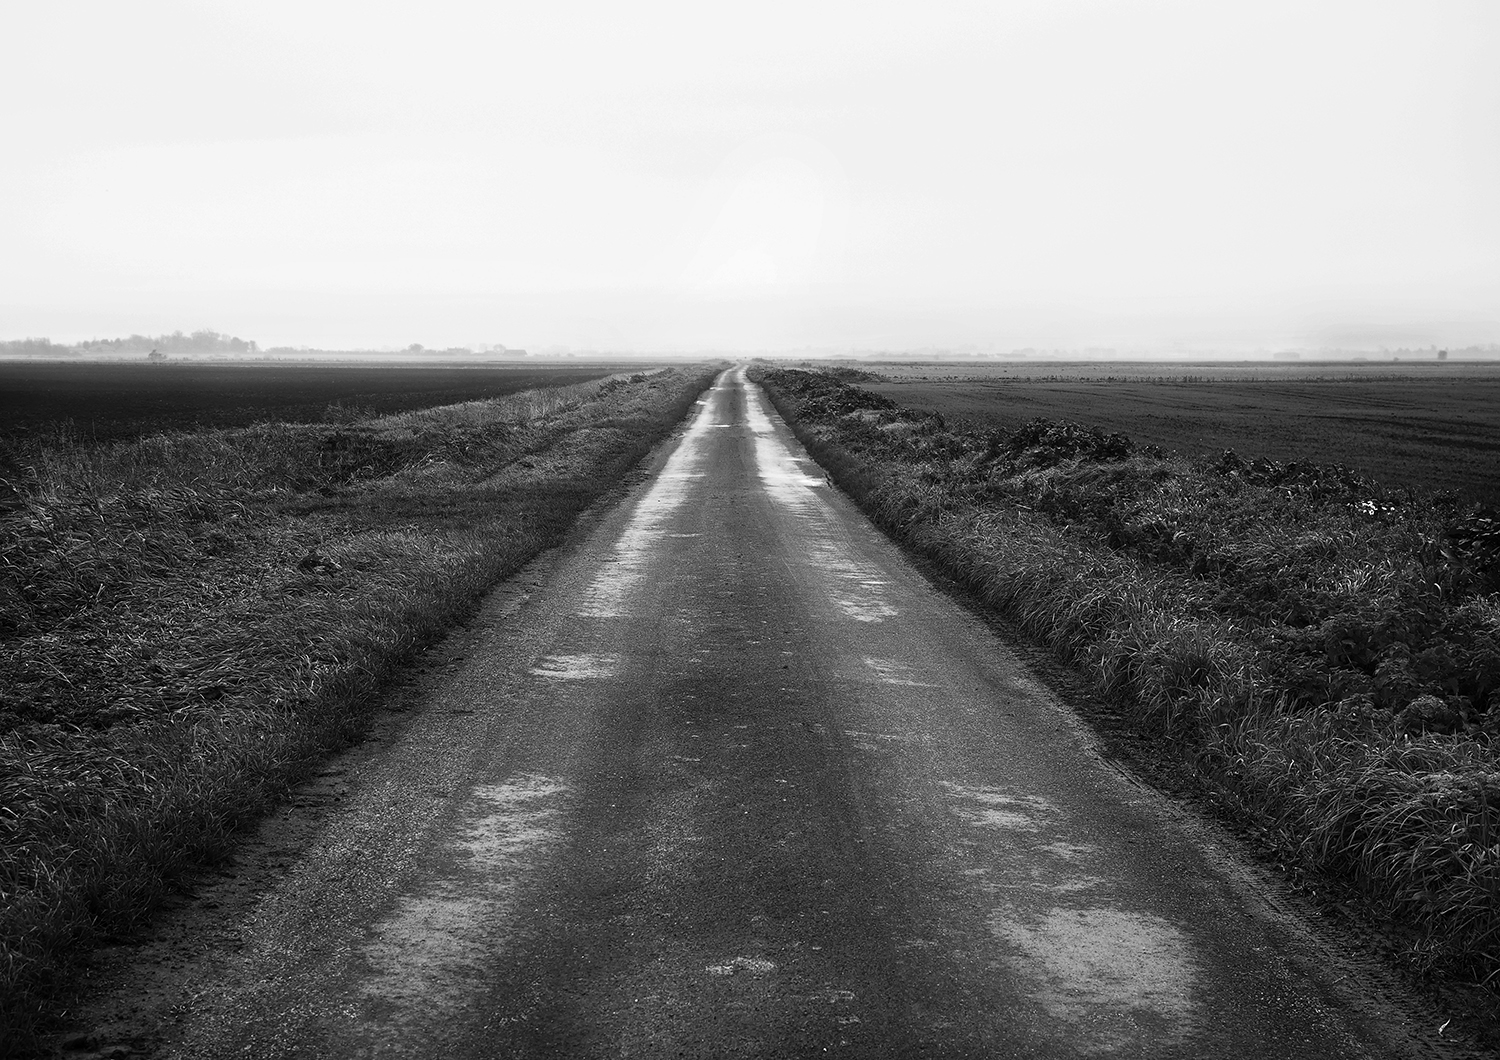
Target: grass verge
1325, 653
190, 621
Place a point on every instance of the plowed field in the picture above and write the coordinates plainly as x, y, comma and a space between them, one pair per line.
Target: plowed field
1437, 429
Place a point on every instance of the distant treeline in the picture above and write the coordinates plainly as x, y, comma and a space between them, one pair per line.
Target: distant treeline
415, 350
35, 348
1489, 351
198, 342
205, 341
1400, 354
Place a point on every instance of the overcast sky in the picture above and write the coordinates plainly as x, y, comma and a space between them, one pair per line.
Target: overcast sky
645, 175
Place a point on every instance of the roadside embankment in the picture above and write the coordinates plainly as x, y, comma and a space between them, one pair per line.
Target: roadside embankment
1326, 654
190, 621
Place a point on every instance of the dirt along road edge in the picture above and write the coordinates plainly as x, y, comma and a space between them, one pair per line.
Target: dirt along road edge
728, 776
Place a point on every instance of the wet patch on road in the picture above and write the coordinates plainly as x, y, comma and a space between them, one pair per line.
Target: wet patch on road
577, 667
429, 957
860, 734
780, 471
625, 568
749, 965
999, 808
1124, 978
858, 590
893, 672
860, 595
1105, 976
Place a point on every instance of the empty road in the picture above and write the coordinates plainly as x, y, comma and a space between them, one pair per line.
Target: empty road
737, 781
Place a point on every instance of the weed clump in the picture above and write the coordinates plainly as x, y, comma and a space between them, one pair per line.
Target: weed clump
1326, 652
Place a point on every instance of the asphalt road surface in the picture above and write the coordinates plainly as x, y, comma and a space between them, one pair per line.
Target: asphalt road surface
737, 781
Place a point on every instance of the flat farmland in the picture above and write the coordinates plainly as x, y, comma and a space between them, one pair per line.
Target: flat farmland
1430, 426
110, 402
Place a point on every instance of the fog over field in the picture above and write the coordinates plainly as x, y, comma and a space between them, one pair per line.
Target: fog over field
1154, 176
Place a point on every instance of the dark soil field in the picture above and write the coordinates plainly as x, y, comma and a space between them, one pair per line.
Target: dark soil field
1436, 427
108, 402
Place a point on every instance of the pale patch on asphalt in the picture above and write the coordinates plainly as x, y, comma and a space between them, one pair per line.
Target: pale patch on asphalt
577, 667
439, 943
1028, 687
876, 735
1126, 977
625, 568
1069, 851
752, 965
859, 591
891, 672
1000, 808
779, 470
1115, 978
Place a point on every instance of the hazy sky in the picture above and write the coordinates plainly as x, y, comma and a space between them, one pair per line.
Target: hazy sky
762, 175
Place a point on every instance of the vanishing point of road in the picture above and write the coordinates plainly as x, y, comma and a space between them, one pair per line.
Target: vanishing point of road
737, 781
